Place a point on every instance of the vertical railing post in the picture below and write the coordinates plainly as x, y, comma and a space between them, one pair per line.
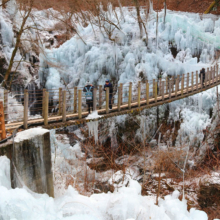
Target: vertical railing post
212, 75
162, 90
214, 70
130, 95
176, 86
139, 94
155, 91
43, 106
79, 104
147, 92
182, 83
160, 87
217, 74
167, 85
153, 88
100, 96
187, 83
25, 109
197, 80
192, 81
119, 98
107, 100
6, 104
46, 107
173, 80
64, 106
206, 77
94, 98
121, 88
60, 101
2, 121
170, 88
75, 100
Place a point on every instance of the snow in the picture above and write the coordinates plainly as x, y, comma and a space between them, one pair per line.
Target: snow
30, 134
125, 203
93, 115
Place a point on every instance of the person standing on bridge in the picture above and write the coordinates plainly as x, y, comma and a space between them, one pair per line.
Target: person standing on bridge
202, 76
88, 89
108, 84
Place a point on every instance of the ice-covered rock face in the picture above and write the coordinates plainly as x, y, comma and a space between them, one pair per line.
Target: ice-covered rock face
99, 58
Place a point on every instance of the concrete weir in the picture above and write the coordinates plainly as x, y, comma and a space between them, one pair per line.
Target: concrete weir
30, 157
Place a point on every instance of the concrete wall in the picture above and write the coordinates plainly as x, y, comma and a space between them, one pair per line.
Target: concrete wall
31, 161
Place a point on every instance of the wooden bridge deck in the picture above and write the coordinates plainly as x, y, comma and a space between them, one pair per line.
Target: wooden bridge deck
171, 89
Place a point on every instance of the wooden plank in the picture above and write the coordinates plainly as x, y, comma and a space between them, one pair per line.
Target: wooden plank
162, 90
60, 101
139, 94
79, 104
130, 95
147, 93
172, 83
75, 100
170, 88
100, 96
119, 98
64, 106
25, 109
160, 85
107, 100
192, 80
94, 98
155, 92
2, 120
46, 107
153, 88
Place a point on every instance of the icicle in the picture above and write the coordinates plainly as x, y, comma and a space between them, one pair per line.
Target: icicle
113, 132
93, 129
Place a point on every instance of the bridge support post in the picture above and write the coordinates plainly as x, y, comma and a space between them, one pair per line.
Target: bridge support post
46, 107
107, 100
130, 95
100, 96
25, 109
75, 100
182, 83
119, 98
64, 107
60, 101
147, 92
2, 122
197, 82
80, 104
162, 90
139, 94
94, 99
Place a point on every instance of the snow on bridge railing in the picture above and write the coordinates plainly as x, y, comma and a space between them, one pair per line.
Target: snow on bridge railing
65, 103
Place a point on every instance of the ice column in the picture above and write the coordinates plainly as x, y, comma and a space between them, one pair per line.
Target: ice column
93, 129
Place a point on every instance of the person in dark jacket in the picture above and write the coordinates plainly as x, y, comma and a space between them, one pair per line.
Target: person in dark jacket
108, 84
88, 89
202, 76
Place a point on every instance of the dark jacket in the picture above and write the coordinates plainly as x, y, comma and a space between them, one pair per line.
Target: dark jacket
202, 74
110, 88
88, 87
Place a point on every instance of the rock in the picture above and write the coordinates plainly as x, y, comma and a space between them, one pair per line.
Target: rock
153, 143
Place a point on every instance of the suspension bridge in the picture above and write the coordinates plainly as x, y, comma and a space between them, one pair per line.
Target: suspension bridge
63, 107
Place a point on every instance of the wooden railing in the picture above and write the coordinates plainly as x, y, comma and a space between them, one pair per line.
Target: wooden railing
70, 104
